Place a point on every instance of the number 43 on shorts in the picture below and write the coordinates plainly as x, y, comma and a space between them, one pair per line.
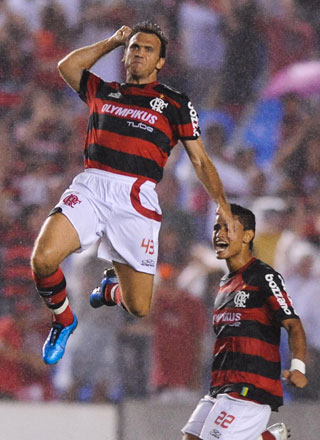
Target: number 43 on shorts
148, 244
224, 420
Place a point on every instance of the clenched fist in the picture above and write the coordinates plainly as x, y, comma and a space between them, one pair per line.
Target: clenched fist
295, 377
121, 35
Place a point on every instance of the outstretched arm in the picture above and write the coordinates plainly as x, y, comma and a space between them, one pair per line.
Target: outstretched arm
71, 66
298, 346
208, 175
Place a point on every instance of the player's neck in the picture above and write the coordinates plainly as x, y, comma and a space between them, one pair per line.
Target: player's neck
238, 261
133, 79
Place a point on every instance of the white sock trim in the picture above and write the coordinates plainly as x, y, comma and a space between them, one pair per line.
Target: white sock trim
113, 291
62, 308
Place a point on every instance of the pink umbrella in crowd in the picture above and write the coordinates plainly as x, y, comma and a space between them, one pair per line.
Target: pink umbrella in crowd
302, 78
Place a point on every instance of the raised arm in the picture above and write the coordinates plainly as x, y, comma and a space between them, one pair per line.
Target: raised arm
298, 346
208, 176
71, 66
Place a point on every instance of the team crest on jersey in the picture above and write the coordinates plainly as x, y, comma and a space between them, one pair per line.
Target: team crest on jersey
71, 200
241, 298
158, 105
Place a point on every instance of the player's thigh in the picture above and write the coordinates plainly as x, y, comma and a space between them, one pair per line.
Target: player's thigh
57, 239
132, 230
136, 288
194, 425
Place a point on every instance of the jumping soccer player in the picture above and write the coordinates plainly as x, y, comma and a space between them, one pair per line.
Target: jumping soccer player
132, 129
249, 310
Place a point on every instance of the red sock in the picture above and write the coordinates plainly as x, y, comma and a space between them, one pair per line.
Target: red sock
113, 293
267, 436
52, 290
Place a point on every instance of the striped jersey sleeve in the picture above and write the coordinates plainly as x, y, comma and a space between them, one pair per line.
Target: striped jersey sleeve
279, 301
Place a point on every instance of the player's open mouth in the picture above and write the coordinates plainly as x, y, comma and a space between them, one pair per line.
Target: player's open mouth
221, 245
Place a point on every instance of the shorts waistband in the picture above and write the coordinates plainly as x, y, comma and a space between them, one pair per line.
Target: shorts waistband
119, 177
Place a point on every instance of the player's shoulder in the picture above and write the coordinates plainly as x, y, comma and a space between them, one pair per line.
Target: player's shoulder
260, 272
262, 266
88, 75
172, 93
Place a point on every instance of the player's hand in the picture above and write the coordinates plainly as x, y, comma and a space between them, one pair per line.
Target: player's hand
121, 35
295, 377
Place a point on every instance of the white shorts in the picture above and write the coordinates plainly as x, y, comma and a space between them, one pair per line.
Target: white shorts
122, 212
227, 418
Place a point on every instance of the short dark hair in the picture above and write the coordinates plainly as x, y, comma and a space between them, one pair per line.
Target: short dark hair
148, 27
246, 218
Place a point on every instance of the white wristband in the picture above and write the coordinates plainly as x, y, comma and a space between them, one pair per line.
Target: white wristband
297, 364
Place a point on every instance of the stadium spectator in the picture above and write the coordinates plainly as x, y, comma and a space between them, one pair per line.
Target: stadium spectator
22, 376
243, 58
178, 321
199, 27
50, 45
288, 37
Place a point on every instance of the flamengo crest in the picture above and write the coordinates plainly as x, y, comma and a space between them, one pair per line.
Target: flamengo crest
71, 200
241, 298
158, 104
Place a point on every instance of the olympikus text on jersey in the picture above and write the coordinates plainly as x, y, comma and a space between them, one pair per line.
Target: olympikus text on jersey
133, 128
249, 308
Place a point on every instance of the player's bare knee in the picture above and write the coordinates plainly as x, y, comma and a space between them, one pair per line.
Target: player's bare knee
43, 263
140, 310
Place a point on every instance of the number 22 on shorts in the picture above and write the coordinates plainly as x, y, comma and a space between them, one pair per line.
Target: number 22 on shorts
148, 245
224, 420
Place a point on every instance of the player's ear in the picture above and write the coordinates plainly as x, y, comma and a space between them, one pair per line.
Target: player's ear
248, 236
124, 55
160, 63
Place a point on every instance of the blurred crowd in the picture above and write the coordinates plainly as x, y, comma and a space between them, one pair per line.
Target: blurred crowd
225, 55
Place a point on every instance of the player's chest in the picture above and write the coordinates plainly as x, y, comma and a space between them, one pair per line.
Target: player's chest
151, 110
238, 294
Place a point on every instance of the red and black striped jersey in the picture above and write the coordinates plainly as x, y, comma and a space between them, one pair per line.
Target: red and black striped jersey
248, 311
133, 128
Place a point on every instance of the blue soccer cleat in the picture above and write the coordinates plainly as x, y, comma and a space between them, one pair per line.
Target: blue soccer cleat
97, 297
55, 345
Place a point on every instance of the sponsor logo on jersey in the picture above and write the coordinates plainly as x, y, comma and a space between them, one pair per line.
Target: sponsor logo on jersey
194, 119
71, 200
140, 115
241, 298
140, 125
116, 95
215, 433
148, 263
158, 105
231, 318
277, 293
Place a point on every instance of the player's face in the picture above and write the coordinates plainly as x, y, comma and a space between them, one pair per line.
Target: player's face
142, 58
227, 247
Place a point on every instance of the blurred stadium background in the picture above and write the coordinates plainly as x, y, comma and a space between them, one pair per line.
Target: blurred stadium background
241, 62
